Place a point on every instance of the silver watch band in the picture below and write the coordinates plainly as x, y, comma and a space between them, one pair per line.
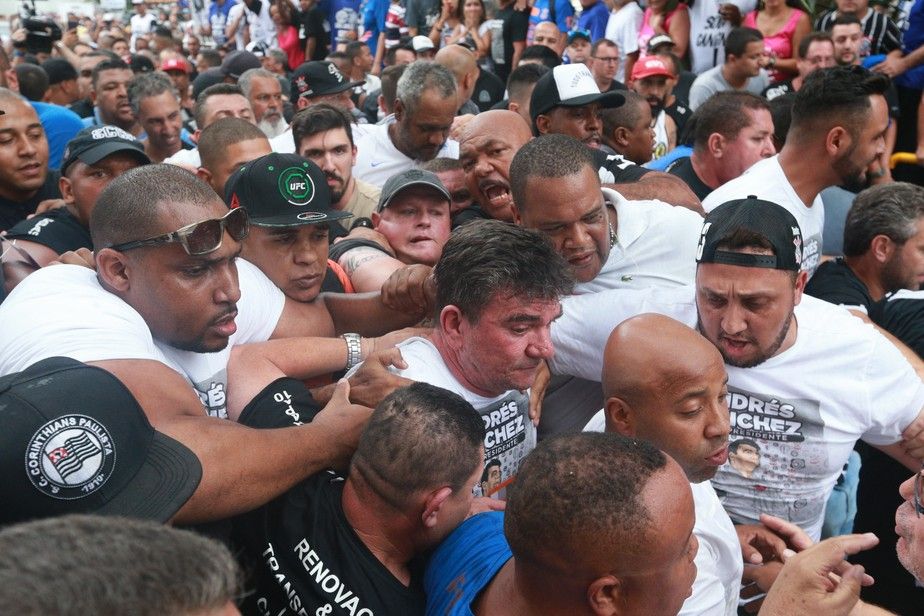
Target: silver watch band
354, 349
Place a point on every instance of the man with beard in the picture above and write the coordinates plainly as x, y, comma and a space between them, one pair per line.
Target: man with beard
839, 123
652, 79
324, 135
264, 92
806, 378
849, 41
109, 93
883, 248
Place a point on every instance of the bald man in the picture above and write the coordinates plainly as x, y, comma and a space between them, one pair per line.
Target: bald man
487, 144
462, 64
548, 34
676, 401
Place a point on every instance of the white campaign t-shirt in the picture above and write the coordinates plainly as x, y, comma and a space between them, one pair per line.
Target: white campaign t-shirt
63, 311
509, 434
377, 158
719, 565
622, 28
708, 31
655, 246
804, 408
765, 179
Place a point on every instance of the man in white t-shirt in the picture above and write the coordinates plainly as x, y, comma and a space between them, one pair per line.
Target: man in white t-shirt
806, 378
710, 22
608, 241
497, 288
425, 107
622, 28
165, 312
678, 403
142, 22
839, 122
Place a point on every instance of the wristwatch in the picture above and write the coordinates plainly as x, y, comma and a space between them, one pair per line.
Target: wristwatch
354, 350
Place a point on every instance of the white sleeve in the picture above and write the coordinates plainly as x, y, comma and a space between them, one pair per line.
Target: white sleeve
895, 393
629, 34
62, 311
260, 306
580, 334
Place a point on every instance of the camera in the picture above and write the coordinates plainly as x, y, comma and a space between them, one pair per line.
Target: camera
41, 32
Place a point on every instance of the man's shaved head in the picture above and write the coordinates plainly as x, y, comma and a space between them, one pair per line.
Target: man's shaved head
665, 383
496, 121
487, 145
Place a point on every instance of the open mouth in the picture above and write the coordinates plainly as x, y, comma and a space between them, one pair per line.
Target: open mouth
497, 195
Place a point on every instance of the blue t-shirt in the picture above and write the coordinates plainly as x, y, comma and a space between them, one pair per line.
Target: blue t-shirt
911, 40
465, 563
540, 12
60, 124
218, 20
594, 19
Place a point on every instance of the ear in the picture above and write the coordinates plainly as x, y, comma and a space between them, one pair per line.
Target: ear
716, 145
837, 141
543, 122
451, 324
621, 136
398, 110
376, 219
204, 174
882, 248
113, 270
195, 136
513, 106
353, 160
619, 417
604, 595
517, 219
381, 101
12, 81
64, 185
801, 280
301, 103
432, 505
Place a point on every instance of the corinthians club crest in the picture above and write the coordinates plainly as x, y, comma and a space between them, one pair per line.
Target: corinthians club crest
70, 457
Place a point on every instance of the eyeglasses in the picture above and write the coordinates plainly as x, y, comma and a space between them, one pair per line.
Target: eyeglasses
199, 238
607, 60
918, 489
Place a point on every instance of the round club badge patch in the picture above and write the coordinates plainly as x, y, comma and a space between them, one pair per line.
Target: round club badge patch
296, 186
70, 457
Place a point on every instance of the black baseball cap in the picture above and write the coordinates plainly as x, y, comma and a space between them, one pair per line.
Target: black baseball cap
237, 62
412, 177
319, 78
94, 143
75, 440
58, 70
764, 218
282, 190
569, 85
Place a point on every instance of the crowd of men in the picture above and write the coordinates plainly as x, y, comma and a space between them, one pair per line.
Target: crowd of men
421, 307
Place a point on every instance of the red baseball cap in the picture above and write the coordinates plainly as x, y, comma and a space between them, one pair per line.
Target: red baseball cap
174, 64
650, 66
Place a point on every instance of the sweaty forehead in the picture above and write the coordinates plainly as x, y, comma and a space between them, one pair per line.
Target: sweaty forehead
16, 111
172, 215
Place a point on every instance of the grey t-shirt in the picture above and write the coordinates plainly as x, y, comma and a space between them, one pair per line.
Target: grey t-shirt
712, 81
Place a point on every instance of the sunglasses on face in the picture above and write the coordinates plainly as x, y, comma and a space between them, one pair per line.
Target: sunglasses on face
199, 238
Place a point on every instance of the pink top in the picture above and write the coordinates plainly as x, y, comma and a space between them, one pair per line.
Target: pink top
780, 43
289, 43
646, 31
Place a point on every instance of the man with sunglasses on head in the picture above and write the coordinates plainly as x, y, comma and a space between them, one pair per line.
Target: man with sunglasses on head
170, 299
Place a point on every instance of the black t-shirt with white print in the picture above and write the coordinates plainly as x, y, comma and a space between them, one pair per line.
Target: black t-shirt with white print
302, 555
